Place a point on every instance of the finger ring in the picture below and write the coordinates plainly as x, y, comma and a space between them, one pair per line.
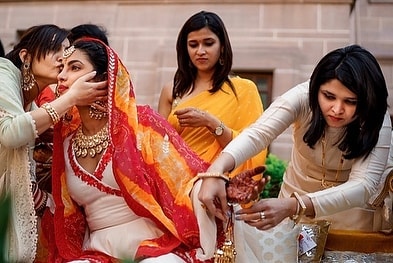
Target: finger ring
200, 111
262, 215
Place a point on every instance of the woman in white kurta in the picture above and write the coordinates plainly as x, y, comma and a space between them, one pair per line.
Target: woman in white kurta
341, 133
27, 69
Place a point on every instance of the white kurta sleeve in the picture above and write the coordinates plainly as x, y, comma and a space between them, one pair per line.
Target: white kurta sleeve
274, 121
17, 127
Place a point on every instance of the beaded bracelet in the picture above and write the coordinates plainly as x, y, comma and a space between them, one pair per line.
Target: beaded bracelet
213, 175
40, 210
300, 208
51, 112
40, 199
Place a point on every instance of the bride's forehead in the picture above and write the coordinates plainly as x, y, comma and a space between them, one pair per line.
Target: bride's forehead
77, 55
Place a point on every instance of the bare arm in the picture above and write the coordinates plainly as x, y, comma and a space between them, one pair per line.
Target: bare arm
165, 101
194, 117
213, 189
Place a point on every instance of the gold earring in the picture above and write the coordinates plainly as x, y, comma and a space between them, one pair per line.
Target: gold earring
57, 92
28, 80
221, 61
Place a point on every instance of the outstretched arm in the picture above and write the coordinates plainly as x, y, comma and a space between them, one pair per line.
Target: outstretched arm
213, 192
82, 92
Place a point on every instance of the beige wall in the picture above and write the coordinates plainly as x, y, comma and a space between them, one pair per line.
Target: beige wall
288, 39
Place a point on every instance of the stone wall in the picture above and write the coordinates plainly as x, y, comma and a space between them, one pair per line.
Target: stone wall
285, 38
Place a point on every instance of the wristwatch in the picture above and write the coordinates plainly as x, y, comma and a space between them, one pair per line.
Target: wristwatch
219, 130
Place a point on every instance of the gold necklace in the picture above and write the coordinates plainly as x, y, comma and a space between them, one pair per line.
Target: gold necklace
324, 184
84, 145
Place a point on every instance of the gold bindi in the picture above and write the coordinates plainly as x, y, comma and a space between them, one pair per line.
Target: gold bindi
68, 52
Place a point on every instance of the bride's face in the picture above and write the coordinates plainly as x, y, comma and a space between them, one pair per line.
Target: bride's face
75, 66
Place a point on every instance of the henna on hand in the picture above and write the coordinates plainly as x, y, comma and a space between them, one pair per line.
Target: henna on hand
245, 186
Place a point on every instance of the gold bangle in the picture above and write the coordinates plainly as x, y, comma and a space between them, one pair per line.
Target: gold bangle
213, 175
51, 112
300, 208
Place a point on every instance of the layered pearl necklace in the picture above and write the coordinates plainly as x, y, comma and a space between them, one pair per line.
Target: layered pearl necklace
84, 145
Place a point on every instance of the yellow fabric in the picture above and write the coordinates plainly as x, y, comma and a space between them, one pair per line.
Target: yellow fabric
359, 241
235, 113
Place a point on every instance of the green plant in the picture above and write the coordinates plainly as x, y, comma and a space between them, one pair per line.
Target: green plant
275, 168
5, 209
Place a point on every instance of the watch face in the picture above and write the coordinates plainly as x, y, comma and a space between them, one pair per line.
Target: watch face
219, 131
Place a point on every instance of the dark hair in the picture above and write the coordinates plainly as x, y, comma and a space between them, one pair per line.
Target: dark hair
358, 70
88, 30
186, 72
96, 52
2, 52
39, 41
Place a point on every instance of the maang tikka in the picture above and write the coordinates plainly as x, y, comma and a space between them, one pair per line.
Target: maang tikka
28, 80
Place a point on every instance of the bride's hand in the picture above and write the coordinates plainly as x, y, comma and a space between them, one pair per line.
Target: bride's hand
213, 195
246, 186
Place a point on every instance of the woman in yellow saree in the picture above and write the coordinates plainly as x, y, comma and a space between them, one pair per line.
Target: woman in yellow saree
207, 106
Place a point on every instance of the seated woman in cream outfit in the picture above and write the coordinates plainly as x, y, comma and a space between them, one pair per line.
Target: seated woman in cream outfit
122, 176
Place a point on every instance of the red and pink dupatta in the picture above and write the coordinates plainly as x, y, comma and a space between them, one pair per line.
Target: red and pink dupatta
153, 166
